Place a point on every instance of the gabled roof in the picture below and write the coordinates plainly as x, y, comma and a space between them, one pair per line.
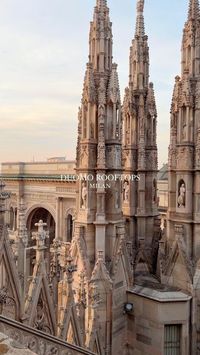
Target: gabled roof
163, 173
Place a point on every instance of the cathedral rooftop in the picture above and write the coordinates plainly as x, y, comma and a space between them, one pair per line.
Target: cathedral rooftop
159, 292
163, 172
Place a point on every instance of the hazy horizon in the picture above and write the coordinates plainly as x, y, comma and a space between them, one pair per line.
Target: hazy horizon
44, 50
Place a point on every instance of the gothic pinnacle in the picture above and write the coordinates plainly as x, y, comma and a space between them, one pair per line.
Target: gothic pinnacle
140, 19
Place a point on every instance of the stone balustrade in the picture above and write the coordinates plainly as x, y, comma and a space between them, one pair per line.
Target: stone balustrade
25, 337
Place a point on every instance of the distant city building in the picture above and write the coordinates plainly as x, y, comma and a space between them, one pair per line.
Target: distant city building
163, 189
56, 159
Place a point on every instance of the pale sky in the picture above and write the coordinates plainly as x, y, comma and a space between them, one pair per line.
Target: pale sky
43, 52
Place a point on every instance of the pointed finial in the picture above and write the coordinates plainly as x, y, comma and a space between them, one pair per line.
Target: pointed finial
193, 12
140, 19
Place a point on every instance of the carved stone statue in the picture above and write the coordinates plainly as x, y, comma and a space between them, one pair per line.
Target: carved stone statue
181, 197
116, 199
41, 235
126, 189
84, 195
184, 132
140, 6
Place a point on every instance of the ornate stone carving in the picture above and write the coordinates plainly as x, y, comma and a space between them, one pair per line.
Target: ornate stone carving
41, 322
54, 262
185, 157
82, 289
89, 91
3, 296
101, 159
101, 96
94, 296
172, 157
197, 151
179, 230
83, 155
7, 304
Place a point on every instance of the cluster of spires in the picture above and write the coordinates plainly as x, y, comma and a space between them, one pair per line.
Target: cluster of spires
140, 32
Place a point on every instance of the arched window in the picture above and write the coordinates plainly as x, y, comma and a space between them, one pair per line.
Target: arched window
39, 213
189, 55
184, 122
11, 218
96, 122
84, 122
128, 124
93, 48
109, 53
148, 129
117, 123
15, 220
154, 191
184, 112
127, 228
69, 228
154, 127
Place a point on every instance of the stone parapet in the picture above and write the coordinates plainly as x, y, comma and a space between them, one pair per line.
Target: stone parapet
25, 337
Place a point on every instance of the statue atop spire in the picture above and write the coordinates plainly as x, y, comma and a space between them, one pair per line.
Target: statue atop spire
140, 31
140, 6
191, 40
100, 38
101, 3
139, 53
193, 12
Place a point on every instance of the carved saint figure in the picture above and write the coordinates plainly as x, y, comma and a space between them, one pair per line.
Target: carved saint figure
181, 197
184, 132
140, 6
41, 235
84, 195
126, 189
117, 203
